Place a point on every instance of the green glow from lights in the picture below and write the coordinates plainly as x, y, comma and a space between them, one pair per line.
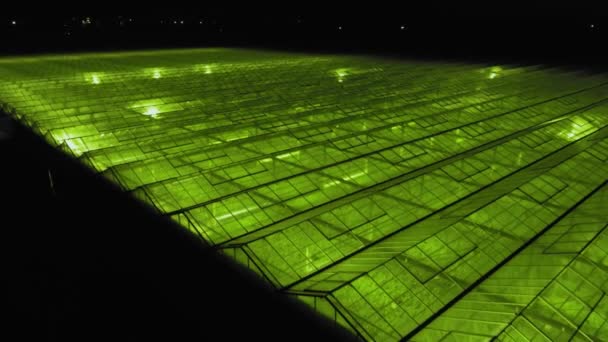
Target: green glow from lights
205, 68
151, 111
378, 202
93, 78
75, 148
494, 72
577, 127
341, 74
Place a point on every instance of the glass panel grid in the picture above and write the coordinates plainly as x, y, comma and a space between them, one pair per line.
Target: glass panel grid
417, 200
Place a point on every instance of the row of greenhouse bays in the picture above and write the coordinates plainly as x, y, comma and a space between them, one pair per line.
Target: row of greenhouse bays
341, 232
189, 165
47, 98
559, 279
74, 119
271, 203
384, 297
69, 69
108, 122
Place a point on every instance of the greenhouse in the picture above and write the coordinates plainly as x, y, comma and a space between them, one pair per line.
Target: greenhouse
402, 199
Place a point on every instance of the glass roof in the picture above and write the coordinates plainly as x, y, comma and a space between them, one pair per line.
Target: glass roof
402, 199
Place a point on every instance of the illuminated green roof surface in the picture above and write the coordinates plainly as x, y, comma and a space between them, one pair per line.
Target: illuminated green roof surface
413, 200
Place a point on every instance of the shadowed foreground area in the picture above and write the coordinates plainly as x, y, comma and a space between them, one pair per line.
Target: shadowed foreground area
88, 263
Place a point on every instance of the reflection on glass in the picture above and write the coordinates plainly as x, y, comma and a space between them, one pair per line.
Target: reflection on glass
205, 68
341, 74
152, 111
494, 72
93, 78
577, 127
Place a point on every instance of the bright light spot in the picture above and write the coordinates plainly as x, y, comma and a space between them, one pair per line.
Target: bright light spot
332, 183
341, 74
156, 74
339, 27
592, 26
152, 111
13, 22
233, 214
353, 176
403, 27
308, 263
287, 155
205, 68
494, 72
73, 146
93, 78
181, 22
579, 127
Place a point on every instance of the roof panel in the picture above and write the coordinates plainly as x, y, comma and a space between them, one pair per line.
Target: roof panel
401, 199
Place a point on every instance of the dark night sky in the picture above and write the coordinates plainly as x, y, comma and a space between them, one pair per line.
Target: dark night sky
542, 31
